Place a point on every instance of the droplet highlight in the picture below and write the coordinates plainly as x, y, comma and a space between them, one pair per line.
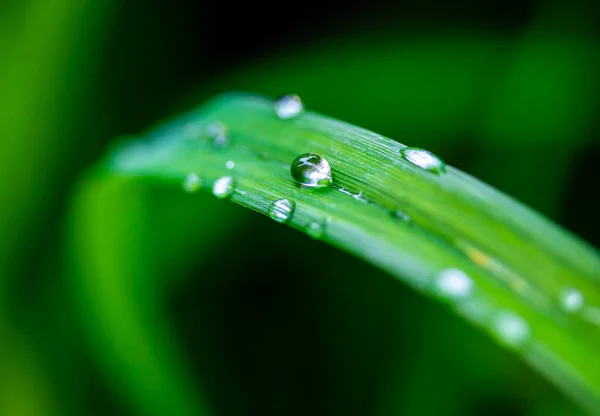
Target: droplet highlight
423, 159
311, 170
282, 210
288, 106
454, 283
192, 183
223, 187
230, 164
571, 300
511, 328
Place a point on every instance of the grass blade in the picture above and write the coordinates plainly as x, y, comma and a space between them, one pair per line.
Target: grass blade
528, 283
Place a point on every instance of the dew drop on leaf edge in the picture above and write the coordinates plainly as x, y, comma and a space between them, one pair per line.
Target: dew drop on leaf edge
282, 210
511, 328
454, 283
423, 159
223, 187
311, 170
288, 106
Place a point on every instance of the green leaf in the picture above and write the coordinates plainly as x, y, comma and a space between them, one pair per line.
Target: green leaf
529, 284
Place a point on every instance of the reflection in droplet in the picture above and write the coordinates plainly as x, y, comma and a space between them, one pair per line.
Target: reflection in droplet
511, 328
454, 283
230, 164
223, 187
288, 106
192, 183
424, 159
311, 170
571, 300
282, 210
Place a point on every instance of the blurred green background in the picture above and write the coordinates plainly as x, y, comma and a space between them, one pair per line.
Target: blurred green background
125, 299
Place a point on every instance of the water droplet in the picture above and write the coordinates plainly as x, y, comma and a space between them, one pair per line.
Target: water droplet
424, 159
217, 133
454, 283
223, 187
288, 106
402, 216
230, 164
311, 170
511, 328
192, 183
315, 229
282, 210
571, 300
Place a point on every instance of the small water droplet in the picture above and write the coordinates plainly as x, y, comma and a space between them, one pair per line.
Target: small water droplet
282, 210
223, 187
288, 106
315, 229
402, 216
511, 328
192, 183
217, 133
571, 300
311, 170
230, 164
423, 159
454, 283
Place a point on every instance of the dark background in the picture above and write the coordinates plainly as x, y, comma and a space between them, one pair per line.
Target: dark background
507, 91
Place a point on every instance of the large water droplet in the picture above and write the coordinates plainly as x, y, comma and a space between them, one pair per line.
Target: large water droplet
571, 300
282, 210
316, 229
511, 328
217, 133
423, 159
230, 164
454, 283
288, 106
223, 187
192, 183
311, 170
